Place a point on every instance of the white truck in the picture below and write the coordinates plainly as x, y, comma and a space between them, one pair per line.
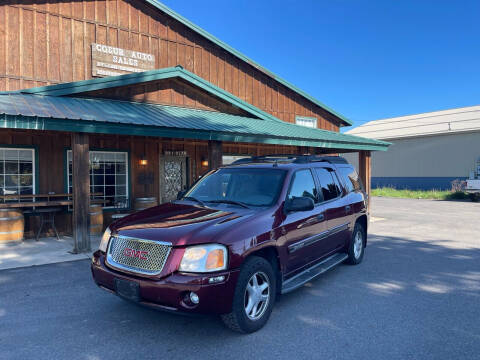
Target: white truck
473, 183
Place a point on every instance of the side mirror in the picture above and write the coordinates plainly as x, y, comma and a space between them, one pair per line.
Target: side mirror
302, 203
180, 194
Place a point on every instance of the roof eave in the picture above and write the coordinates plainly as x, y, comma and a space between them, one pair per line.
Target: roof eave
91, 126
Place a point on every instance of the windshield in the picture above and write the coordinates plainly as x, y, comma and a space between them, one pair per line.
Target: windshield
252, 187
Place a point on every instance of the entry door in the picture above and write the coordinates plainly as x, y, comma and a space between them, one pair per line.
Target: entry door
173, 177
337, 210
304, 230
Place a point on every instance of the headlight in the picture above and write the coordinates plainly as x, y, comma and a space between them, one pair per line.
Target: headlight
105, 238
204, 258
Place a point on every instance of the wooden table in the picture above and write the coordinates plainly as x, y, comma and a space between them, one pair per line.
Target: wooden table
56, 200
18, 205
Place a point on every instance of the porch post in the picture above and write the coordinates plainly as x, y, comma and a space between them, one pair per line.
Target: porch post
365, 172
214, 154
81, 192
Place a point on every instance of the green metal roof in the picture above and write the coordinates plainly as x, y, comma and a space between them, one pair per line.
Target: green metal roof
238, 54
36, 112
76, 87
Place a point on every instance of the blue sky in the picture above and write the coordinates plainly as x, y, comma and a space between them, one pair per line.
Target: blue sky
365, 59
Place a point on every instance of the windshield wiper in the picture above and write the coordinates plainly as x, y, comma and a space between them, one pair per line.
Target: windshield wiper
233, 202
191, 198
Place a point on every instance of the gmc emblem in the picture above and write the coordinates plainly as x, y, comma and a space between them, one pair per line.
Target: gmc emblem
136, 253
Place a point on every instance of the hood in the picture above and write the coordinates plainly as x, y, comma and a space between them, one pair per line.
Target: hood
180, 224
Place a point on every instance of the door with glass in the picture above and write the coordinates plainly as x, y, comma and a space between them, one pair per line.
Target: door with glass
173, 177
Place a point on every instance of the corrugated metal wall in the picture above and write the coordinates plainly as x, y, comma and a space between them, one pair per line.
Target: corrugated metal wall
424, 162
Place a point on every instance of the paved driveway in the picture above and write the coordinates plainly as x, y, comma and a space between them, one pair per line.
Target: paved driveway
415, 296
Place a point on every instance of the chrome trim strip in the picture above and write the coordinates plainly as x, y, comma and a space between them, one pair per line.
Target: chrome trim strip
338, 228
313, 239
113, 264
308, 241
142, 240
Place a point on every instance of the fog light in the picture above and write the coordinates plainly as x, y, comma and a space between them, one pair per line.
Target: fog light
194, 298
216, 279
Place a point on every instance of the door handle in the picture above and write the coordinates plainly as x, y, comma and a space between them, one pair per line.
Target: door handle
347, 208
312, 221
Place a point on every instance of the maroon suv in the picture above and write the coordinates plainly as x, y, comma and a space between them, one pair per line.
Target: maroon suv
240, 236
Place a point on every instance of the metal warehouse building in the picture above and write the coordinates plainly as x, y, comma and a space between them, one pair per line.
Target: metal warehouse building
428, 150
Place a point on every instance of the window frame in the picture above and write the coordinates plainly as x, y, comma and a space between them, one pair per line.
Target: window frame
292, 179
319, 185
35, 162
129, 173
240, 156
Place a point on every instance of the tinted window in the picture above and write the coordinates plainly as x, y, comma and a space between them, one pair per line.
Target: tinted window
350, 178
328, 183
256, 187
303, 185
337, 182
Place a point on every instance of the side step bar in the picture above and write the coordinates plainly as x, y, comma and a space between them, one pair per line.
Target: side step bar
312, 272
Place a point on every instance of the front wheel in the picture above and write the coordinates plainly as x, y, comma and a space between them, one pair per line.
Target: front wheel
357, 245
254, 296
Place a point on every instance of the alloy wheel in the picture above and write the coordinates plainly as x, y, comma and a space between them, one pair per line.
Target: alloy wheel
257, 295
358, 245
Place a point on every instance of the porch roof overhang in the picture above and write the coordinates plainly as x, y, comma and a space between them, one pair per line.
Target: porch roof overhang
78, 88
39, 112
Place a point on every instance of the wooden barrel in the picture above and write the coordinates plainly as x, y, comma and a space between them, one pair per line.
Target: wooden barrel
12, 224
96, 219
145, 203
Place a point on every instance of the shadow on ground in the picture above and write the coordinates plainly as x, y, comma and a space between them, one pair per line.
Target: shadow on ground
404, 300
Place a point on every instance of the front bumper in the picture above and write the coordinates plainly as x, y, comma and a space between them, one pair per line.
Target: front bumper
169, 293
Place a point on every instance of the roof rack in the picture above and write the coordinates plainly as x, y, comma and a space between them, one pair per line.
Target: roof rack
291, 158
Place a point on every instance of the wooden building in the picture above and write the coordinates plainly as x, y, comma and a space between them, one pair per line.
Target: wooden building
126, 99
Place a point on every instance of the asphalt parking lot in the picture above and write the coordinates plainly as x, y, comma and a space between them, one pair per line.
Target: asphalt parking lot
415, 296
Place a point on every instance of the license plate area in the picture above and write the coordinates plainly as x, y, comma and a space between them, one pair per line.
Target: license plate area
126, 289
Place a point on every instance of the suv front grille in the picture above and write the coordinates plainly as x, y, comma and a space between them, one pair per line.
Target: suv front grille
137, 255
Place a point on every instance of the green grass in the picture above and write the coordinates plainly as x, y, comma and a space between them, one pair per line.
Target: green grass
419, 194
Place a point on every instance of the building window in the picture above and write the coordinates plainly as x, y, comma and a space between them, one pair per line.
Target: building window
17, 172
108, 176
307, 121
229, 159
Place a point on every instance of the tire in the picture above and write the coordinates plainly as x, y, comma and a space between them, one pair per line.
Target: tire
238, 320
355, 253
474, 196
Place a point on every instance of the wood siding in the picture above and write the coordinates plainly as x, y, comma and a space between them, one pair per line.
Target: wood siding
169, 92
59, 50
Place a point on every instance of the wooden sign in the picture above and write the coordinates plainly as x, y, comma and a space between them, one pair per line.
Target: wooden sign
174, 153
112, 61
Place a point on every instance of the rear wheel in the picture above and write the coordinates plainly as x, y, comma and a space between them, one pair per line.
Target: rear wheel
254, 296
474, 197
357, 245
